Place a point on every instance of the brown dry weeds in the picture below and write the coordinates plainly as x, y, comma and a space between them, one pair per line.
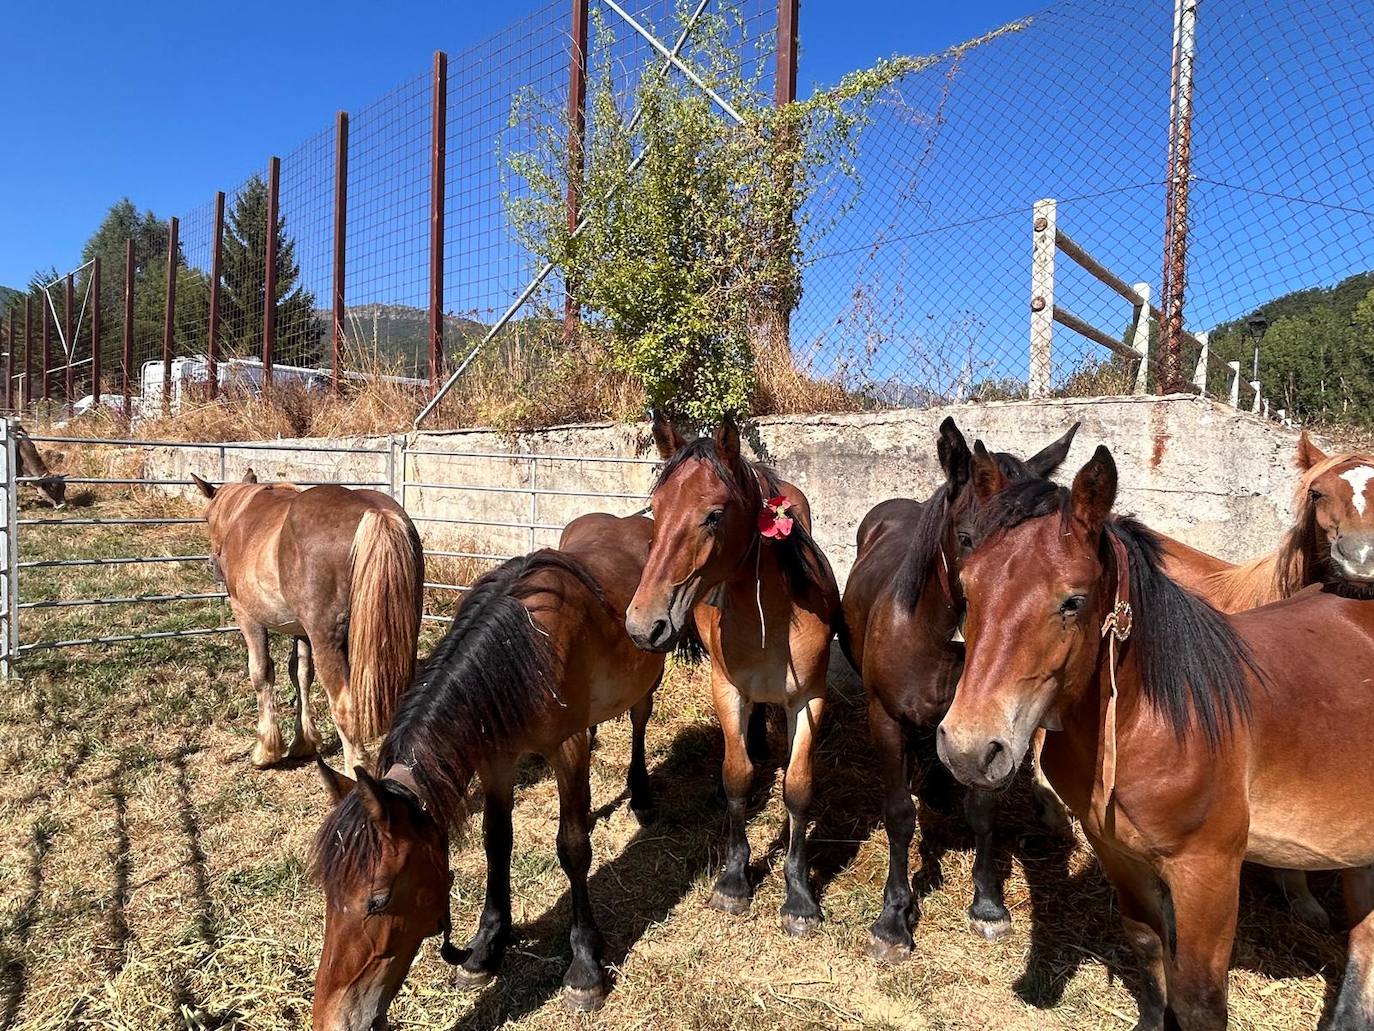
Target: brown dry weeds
150, 878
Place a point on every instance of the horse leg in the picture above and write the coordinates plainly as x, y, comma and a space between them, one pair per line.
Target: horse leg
584, 984
800, 912
1304, 905
1138, 897
302, 669
890, 936
641, 794
1355, 1005
488, 945
269, 748
1048, 805
1205, 892
987, 914
731, 893
333, 670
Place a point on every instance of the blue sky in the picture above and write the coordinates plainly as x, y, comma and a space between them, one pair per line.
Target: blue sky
165, 102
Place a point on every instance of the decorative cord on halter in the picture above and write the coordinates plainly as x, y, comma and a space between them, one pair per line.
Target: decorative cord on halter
1117, 629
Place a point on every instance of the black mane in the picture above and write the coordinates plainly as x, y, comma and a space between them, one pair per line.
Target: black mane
1193, 665
493, 675
936, 513
798, 553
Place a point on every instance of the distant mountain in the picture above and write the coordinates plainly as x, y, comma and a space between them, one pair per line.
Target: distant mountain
397, 335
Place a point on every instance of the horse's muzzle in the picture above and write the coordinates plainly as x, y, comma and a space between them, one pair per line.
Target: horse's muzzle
976, 759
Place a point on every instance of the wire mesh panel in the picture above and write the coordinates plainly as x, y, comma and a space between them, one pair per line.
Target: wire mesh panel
388, 232
305, 220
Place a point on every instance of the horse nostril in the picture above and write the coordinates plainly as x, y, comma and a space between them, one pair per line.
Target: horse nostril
992, 754
659, 633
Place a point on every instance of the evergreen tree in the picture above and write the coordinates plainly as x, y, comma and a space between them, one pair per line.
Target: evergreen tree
299, 329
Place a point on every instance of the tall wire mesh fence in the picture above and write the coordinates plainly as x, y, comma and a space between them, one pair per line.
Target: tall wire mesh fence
927, 283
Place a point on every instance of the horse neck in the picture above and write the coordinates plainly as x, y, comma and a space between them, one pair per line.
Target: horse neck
1249, 586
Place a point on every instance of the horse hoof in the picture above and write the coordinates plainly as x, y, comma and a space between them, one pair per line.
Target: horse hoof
735, 905
799, 926
887, 952
303, 749
584, 1000
644, 817
264, 760
991, 930
471, 980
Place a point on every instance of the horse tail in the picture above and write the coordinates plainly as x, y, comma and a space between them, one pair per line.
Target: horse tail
387, 583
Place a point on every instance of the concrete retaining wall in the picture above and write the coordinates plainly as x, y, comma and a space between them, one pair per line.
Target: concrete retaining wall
1219, 479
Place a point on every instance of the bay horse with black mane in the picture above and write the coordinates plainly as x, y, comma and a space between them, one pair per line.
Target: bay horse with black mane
902, 607
1185, 740
733, 556
535, 656
1331, 542
342, 572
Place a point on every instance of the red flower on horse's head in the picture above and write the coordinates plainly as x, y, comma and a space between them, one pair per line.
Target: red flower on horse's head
773, 520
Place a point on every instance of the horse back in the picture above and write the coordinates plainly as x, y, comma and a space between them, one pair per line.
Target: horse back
613, 549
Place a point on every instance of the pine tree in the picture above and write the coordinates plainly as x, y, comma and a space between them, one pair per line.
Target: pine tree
299, 329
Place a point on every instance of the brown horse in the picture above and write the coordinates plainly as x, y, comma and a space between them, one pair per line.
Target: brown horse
53, 486
733, 555
1185, 740
902, 607
342, 572
1331, 541
536, 654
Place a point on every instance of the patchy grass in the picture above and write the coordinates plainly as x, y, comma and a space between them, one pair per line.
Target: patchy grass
150, 878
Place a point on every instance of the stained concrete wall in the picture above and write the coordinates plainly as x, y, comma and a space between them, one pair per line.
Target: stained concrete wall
1219, 479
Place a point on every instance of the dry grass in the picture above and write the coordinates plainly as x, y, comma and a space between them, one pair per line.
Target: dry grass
150, 878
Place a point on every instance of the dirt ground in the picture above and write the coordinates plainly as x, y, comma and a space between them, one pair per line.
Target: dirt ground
151, 878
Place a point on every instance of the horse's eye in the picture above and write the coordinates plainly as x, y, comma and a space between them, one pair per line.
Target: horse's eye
378, 903
1073, 605
965, 541
1314, 495
713, 518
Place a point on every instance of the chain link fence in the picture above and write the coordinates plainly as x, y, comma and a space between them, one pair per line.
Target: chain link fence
947, 276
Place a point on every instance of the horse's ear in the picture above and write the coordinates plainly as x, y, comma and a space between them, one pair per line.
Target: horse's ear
335, 782
1094, 489
955, 458
373, 796
988, 478
666, 436
1308, 453
206, 488
249, 476
1051, 458
727, 440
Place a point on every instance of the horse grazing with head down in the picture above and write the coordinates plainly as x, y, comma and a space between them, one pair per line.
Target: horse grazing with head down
902, 607
53, 486
535, 656
1331, 542
733, 556
1185, 740
342, 572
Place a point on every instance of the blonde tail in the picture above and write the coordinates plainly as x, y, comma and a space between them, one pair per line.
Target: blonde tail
384, 618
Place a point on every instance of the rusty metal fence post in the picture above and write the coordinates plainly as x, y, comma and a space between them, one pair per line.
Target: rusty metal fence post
169, 314
577, 135
438, 164
128, 356
216, 260
340, 244
95, 331
69, 340
269, 285
46, 392
26, 397
9, 361
1176, 194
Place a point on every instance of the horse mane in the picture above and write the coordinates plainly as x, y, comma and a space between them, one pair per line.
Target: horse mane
798, 553
1193, 665
494, 674
936, 513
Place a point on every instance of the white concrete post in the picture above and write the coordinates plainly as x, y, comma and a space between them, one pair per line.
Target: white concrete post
1042, 297
1235, 383
1140, 338
1266, 407
1200, 370
9, 603
1255, 404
